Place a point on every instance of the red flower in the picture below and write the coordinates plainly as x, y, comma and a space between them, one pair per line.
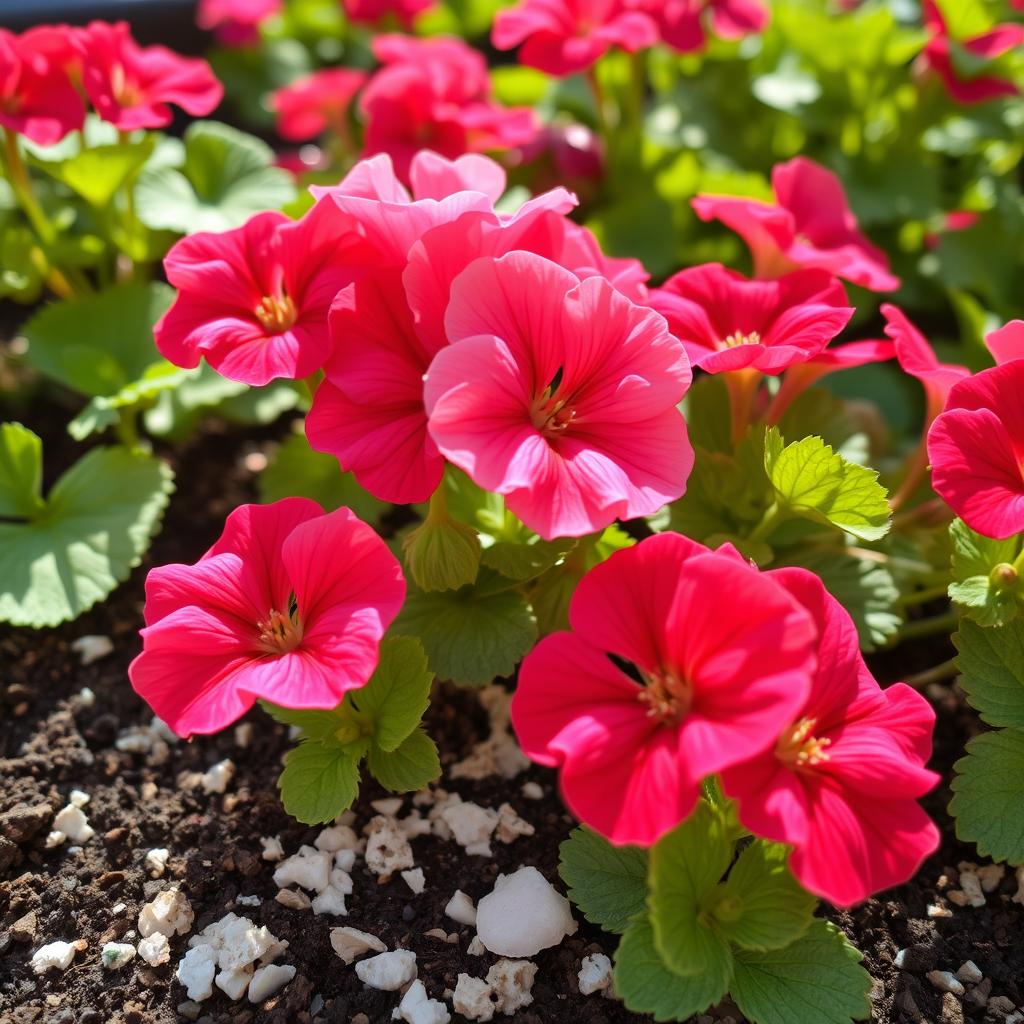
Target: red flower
1007, 343
371, 11
435, 94
728, 322
562, 37
938, 56
37, 97
808, 225
841, 783
254, 301
316, 102
132, 86
682, 22
236, 22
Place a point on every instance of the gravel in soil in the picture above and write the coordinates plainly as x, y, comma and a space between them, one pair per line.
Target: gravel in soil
53, 741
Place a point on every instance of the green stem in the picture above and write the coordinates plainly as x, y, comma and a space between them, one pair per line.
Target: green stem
131, 221
775, 515
926, 595
601, 105
947, 670
437, 511
128, 427
21, 183
919, 628
742, 386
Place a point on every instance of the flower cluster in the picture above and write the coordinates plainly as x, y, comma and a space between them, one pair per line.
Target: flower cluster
666, 678
50, 72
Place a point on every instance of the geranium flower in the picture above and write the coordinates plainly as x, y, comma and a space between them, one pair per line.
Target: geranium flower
289, 605
682, 22
393, 317
665, 679
559, 394
938, 57
236, 22
728, 322
841, 783
435, 94
976, 449
370, 12
563, 37
809, 225
37, 98
1007, 343
254, 301
132, 86
316, 102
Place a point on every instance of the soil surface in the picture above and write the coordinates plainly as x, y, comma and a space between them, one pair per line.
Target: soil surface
54, 739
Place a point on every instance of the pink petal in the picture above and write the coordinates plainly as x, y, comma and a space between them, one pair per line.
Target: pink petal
1007, 343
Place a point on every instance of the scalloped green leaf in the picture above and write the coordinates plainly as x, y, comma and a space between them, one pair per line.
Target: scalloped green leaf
21, 472
608, 883
985, 583
319, 781
410, 766
991, 662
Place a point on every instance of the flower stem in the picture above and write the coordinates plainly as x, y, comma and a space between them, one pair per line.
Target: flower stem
926, 595
22, 185
947, 670
775, 515
742, 385
600, 105
919, 628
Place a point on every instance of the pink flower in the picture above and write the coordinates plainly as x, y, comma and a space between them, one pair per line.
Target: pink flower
841, 783
562, 37
681, 22
809, 225
665, 679
1007, 343
559, 394
728, 322
917, 358
976, 448
254, 301
391, 323
435, 94
372, 11
289, 605
37, 98
132, 86
236, 22
938, 57
316, 102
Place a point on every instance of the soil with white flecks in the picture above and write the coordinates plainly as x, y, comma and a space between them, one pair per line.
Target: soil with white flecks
52, 742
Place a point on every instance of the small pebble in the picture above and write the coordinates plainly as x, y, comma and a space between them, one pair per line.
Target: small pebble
945, 981
969, 973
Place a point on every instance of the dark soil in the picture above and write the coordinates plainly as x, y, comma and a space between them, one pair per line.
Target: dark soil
51, 743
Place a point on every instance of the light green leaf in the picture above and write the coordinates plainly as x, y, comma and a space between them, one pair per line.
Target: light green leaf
646, 985
608, 883
442, 553
988, 795
813, 481
992, 665
318, 782
296, 470
96, 174
685, 868
761, 906
398, 692
315, 725
815, 980
227, 177
21, 472
100, 344
409, 767
526, 559
471, 636
985, 583
97, 522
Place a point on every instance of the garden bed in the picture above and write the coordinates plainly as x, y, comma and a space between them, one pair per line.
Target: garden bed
55, 741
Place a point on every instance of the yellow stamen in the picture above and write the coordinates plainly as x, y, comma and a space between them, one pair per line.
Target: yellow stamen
279, 633
668, 698
550, 414
276, 313
736, 339
799, 747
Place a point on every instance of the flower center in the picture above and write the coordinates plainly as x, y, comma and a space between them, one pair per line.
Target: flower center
736, 339
667, 696
798, 746
280, 633
550, 414
126, 93
276, 313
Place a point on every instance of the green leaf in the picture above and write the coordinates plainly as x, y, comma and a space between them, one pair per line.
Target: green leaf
685, 868
646, 985
866, 589
815, 980
409, 767
988, 800
761, 906
398, 692
97, 174
102, 412
985, 583
296, 470
442, 553
21, 472
991, 662
318, 782
608, 883
101, 344
471, 636
97, 522
813, 481
315, 725
526, 559
227, 177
